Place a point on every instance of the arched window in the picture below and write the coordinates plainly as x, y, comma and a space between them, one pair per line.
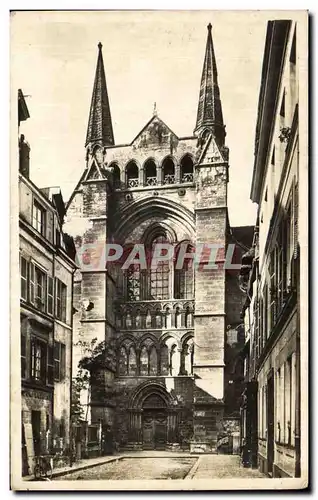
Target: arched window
188, 318
159, 275
148, 319
138, 319
168, 171
128, 320
132, 361
150, 173
174, 361
178, 318
164, 360
187, 357
183, 274
132, 175
168, 318
158, 319
116, 176
153, 361
144, 361
186, 167
123, 361
148, 358
132, 278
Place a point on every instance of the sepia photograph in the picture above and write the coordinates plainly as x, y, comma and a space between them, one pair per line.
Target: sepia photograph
159, 250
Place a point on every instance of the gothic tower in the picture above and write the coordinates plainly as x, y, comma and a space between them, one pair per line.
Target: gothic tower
211, 226
162, 382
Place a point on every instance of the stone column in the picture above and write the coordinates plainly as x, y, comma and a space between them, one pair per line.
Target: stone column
178, 173
159, 175
141, 176
179, 350
123, 180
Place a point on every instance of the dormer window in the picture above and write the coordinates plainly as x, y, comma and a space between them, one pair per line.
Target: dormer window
39, 217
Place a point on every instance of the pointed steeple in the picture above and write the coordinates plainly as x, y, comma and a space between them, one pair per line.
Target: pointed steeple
100, 129
210, 116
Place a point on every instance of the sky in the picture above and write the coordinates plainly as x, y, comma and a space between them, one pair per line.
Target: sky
149, 57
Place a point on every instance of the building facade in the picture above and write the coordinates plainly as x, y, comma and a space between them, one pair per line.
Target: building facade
271, 272
46, 274
169, 375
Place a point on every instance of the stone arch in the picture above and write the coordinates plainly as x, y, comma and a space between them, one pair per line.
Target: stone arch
146, 390
149, 337
187, 353
138, 211
115, 173
150, 172
158, 229
132, 174
168, 166
186, 168
167, 311
168, 343
128, 338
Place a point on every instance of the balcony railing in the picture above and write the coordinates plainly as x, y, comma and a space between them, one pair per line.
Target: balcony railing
133, 183
187, 177
151, 181
169, 179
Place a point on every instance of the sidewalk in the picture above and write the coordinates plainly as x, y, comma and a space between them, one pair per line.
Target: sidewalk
221, 466
80, 465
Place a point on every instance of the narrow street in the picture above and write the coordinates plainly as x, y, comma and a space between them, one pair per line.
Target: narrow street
163, 465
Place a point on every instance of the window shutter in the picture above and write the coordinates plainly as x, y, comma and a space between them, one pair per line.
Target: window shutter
32, 283
43, 368
24, 278
23, 355
64, 301
57, 298
50, 373
57, 359
62, 362
50, 225
50, 295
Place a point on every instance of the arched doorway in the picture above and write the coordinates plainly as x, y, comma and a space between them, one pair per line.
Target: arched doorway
154, 423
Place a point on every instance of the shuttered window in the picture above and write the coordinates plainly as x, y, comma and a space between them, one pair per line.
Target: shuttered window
24, 278
61, 300
38, 360
50, 295
59, 361
23, 355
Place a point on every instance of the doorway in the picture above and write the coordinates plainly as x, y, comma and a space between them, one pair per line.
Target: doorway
154, 423
36, 431
154, 430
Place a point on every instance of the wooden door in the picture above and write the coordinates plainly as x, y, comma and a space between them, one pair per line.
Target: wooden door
160, 431
36, 431
148, 432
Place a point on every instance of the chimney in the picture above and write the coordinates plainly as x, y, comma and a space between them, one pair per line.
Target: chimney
24, 157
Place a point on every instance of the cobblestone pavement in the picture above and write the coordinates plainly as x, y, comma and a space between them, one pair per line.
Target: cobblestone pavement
136, 468
156, 465
223, 466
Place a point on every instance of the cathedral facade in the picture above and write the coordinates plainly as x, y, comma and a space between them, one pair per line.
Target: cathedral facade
171, 371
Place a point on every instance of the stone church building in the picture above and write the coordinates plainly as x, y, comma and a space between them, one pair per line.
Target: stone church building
171, 374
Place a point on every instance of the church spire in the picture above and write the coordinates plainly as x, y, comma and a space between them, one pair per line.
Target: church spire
100, 129
210, 115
